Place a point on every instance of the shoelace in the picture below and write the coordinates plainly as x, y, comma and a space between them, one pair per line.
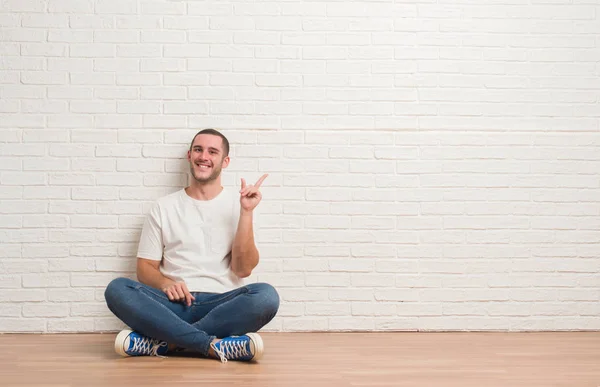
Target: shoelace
230, 349
148, 346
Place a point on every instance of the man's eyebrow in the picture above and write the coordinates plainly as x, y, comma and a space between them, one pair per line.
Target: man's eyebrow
210, 148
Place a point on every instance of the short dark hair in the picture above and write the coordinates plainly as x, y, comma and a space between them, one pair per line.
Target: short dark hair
214, 132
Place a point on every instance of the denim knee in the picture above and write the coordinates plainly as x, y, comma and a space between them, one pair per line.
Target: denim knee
269, 300
116, 288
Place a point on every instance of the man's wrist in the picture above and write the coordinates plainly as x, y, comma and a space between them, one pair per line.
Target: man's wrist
247, 213
166, 283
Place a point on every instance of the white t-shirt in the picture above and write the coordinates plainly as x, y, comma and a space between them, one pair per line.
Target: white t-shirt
194, 239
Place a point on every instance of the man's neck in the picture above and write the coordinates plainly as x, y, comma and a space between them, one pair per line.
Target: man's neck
206, 191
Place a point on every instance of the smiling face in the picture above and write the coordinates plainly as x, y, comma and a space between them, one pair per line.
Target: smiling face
207, 158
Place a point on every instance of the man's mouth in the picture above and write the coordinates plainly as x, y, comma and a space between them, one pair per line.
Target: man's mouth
203, 166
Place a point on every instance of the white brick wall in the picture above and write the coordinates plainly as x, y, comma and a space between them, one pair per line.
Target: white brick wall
434, 165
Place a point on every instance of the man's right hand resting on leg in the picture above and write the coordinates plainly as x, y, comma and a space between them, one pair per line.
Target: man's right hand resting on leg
148, 273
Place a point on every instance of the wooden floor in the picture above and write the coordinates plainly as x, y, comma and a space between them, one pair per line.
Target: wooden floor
317, 359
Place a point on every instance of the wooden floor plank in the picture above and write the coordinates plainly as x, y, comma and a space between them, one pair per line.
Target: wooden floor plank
569, 359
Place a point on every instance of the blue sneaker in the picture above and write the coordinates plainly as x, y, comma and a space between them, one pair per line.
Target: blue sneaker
130, 343
243, 348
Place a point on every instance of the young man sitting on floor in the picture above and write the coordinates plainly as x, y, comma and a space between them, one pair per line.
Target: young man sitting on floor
196, 246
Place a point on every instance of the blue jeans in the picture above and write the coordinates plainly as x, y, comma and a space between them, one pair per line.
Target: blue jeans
212, 315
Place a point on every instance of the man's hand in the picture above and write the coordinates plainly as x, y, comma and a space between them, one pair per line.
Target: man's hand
177, 292
250, 195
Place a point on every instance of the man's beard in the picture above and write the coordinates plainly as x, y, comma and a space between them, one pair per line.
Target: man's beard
216, 171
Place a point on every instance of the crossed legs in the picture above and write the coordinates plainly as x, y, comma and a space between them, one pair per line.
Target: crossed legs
211, 316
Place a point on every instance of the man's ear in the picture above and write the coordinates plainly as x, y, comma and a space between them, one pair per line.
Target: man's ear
189, 155
226, 160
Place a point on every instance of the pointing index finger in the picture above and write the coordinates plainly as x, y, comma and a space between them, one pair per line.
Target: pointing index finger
260, 181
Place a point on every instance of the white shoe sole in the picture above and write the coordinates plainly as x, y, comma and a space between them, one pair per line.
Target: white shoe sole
120, 340
259, 347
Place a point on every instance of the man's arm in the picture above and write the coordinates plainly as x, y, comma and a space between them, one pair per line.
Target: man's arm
244, 254
149, 274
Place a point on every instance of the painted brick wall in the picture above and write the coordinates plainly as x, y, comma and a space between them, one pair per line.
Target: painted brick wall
435, 165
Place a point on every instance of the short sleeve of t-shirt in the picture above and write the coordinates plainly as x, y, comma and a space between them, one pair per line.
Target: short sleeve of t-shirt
151, 246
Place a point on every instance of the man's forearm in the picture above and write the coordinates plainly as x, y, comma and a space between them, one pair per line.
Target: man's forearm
152, 276
244, 255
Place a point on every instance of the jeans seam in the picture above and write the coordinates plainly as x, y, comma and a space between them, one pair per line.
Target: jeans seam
152, 292
223, 298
